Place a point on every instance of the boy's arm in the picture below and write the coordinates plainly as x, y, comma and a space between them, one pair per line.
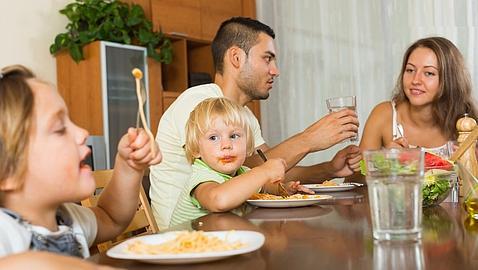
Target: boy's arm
119, 199
228, 195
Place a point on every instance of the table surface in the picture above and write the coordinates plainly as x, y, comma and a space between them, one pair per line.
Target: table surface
336, 234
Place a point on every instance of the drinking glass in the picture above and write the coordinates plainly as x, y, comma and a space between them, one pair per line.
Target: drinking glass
393, 255
336, 104
394, 178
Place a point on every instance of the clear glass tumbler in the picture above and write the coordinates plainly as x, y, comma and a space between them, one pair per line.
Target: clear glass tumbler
336, 104
394, 178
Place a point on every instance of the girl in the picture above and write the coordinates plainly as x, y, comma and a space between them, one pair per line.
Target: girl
218, 140
432, 92
42, 172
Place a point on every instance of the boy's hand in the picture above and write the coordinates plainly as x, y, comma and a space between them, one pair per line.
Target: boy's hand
275, 169
135, 148
295, 187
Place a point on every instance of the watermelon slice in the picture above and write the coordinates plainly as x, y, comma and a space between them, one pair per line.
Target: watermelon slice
433, 161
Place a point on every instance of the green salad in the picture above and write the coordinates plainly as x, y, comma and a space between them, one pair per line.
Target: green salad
381, 165
436, 186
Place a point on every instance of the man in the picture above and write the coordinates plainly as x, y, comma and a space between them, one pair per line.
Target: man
245, 62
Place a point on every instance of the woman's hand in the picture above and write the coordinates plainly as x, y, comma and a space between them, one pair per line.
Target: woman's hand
398, 143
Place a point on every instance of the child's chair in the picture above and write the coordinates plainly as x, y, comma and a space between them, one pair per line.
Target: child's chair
143, 221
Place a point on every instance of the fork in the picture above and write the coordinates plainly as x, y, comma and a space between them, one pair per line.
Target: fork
280, 187
141, 94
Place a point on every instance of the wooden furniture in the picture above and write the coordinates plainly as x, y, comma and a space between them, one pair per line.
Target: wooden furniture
191, 25
336, 236
80, 84
467, 134
143, 221
100, 91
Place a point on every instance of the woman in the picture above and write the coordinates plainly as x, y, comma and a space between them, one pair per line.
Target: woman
432, 92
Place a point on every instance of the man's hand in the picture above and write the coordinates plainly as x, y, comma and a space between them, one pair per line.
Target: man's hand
331, 129
346, 161
135, 148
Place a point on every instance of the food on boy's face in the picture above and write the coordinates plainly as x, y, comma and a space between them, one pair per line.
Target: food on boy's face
227, 159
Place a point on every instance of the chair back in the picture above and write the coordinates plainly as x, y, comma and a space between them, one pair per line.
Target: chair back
143, 221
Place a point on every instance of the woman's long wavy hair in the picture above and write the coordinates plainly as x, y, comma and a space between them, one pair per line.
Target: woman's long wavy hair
454, 96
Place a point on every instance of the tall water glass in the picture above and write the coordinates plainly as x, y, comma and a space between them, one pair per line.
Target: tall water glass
398, 256
336, 104
394, 178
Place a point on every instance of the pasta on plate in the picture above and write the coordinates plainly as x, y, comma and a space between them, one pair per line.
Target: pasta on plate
185, 242
266, 196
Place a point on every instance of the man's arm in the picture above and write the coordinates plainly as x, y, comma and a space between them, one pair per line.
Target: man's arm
328, 131
343, 164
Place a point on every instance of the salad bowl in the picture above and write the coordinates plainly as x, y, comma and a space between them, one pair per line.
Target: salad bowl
440, 177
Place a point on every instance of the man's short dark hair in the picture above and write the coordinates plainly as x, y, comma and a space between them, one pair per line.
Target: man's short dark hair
236, 31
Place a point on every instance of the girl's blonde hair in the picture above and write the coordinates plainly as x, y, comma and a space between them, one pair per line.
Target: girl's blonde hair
16, 114
201, 117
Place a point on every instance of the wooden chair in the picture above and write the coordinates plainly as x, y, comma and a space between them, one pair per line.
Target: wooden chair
143, 221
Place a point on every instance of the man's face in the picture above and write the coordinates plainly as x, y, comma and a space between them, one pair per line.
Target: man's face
259, 70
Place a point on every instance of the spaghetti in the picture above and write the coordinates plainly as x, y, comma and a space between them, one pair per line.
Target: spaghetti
267, 196
329, 183
185, 242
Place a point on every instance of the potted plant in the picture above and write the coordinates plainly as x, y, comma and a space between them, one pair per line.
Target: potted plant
109, 20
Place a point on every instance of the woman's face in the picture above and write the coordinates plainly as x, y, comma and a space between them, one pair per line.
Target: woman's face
56, 151
421, 77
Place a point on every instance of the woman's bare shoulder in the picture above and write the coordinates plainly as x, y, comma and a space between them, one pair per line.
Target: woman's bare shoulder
382, 112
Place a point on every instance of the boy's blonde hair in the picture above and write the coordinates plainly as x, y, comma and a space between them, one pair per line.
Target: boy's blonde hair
16, 114
201, 117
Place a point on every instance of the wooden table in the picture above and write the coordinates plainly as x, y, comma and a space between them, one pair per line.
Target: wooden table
336, 235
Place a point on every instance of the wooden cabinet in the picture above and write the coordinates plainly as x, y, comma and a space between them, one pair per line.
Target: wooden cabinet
191, 25
100, 90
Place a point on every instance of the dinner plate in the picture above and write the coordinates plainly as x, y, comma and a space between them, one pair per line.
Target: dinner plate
322, 188
290, 202
251, 240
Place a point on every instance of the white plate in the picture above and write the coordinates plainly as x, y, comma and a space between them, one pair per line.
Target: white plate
290, 203
252, 241
322, 188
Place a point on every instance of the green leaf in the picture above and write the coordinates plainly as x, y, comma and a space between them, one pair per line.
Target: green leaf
111, 20
76, 53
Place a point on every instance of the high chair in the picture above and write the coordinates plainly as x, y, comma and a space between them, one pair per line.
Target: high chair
143, 221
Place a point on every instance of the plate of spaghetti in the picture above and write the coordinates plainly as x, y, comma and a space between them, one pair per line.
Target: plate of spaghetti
330, 186
296, 200
180, 247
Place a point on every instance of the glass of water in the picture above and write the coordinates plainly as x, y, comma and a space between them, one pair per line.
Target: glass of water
394, 179
336, 104
397, 256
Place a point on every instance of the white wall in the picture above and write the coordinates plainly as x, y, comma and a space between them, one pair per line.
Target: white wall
28, 27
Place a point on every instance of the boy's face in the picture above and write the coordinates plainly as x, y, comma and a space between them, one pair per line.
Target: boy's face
223, 147
56, 150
